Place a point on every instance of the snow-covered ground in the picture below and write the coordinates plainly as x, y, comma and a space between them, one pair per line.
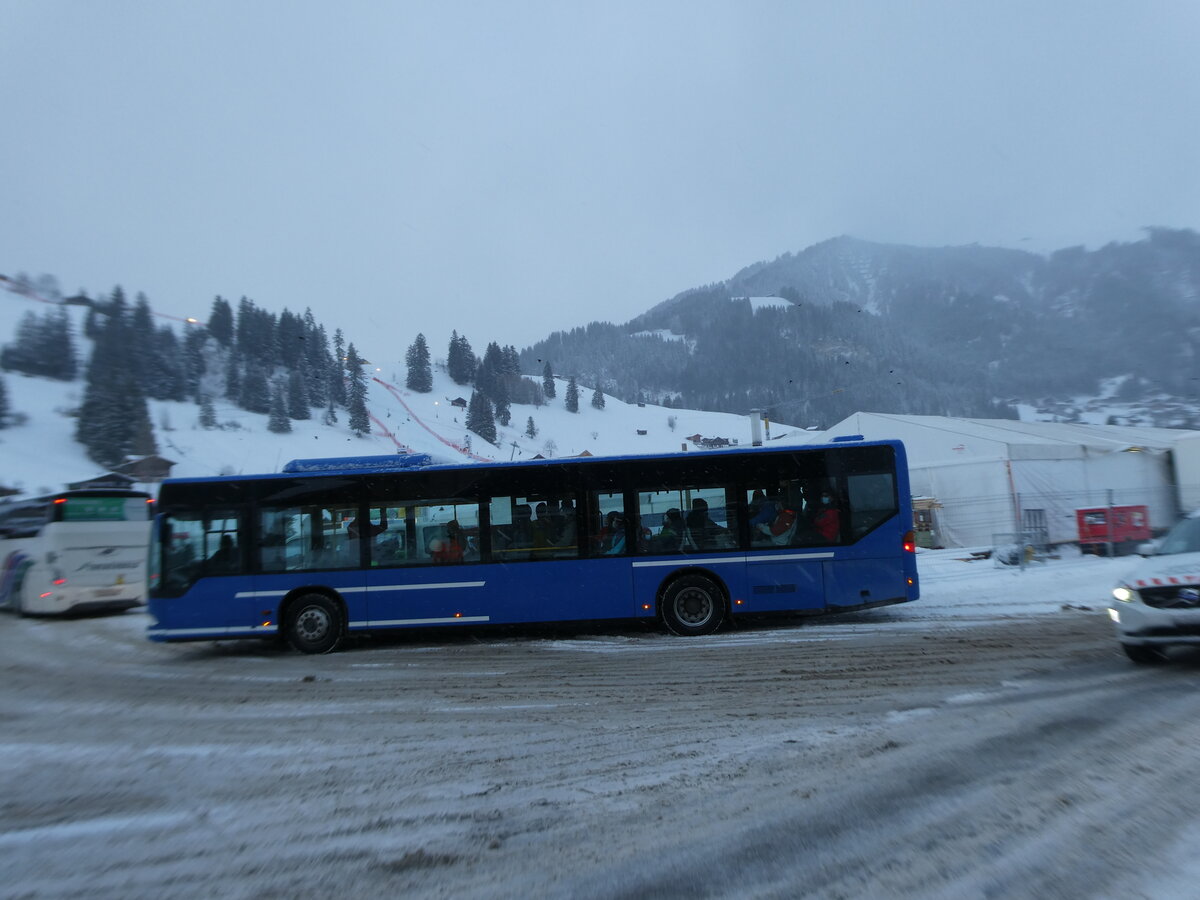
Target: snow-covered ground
987, 740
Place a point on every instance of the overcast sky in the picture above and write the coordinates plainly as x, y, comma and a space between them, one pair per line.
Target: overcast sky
513, 168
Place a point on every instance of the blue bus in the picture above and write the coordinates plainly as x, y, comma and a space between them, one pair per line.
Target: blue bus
330, 548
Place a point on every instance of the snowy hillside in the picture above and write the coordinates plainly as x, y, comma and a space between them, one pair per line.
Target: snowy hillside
39, 453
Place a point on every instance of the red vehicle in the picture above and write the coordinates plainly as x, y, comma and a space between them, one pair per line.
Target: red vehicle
1130, 526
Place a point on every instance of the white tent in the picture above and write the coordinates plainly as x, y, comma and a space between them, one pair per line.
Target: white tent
989, 477
1186, 454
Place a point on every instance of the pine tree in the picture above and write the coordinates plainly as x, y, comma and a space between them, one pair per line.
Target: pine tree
112, 417
298, 406
460, 359
194, 367
59, 347
101, 312
42, 346
337, 381
233, 380
360, 422
220, 322
530, 429
548, 381
165, 379
572, 399
142, 441
140, 351
91, 321
420, 372
279, 423
5, 409
502, 406
290, 338
511, 362
489, 374
255, 395
480, 418
208, 414
316, 361
22, 355
244, 328
597, 397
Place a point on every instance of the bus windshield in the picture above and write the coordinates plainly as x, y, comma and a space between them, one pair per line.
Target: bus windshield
75, 508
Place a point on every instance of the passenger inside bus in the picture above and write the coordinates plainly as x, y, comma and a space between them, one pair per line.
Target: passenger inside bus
775, 523
225, 559
614, 543
448, 549
521, 535
565, 527
670, 536
764, 509
607, 536
705, 533
823, 518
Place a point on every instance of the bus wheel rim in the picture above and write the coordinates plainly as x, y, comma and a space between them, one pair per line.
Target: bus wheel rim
312, 624
694, 606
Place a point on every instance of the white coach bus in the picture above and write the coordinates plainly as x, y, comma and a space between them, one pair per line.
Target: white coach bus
75, 551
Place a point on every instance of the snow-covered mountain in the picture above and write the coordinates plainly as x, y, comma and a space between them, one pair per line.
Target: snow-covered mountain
966, 331
39, 453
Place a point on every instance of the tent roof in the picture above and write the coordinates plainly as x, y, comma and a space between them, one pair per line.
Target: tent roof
1102, 438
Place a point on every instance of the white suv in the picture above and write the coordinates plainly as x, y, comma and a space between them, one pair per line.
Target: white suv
1158, 604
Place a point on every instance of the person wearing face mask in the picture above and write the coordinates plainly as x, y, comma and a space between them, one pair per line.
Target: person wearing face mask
827, 519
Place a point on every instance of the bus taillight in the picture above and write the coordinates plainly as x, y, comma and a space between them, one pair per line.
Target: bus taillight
910, 542
59, 582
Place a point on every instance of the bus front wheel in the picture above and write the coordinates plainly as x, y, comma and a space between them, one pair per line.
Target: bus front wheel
314, 624
693, 605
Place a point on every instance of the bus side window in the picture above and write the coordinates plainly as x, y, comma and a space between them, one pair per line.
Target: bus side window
607, 524
423, 532
512, 528
872, 501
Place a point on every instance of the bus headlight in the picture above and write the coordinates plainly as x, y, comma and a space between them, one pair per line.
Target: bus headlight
1122, 593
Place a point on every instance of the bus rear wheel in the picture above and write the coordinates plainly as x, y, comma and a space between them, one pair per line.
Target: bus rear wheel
314, 624
693, 605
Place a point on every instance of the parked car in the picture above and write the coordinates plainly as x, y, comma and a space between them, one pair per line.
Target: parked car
1158, 605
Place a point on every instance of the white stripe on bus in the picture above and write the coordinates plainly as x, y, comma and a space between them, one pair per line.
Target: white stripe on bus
827, 555
691, 560
683, 561
253, 629
447, 620
372, 588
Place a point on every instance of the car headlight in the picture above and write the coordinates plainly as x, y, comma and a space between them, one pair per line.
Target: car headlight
1122, 593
